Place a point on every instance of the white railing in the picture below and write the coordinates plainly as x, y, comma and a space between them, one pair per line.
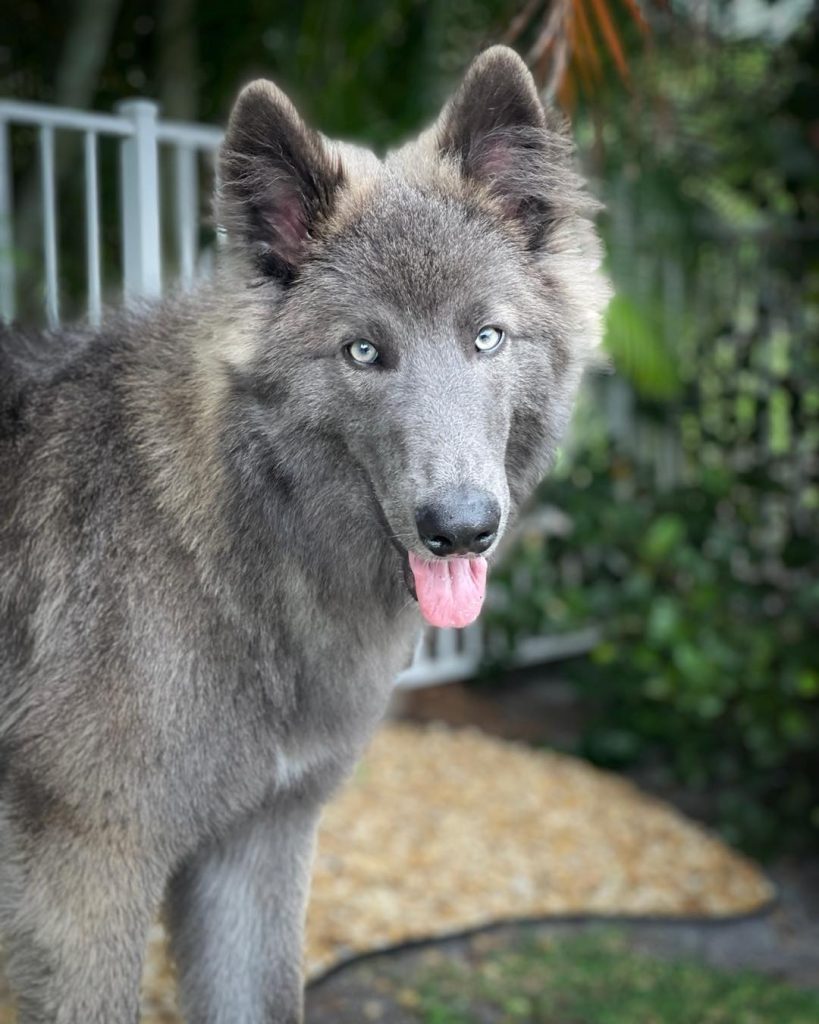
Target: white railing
442, 655
140, 134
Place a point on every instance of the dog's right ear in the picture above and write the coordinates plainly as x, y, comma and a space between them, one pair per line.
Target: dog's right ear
277, 180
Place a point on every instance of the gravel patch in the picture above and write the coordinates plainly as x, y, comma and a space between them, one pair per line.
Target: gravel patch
443, 830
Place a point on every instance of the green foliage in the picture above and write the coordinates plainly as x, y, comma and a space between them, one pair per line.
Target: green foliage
635, 342
597, 979
693, 538
707, 595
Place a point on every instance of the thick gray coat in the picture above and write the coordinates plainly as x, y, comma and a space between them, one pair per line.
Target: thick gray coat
205, 514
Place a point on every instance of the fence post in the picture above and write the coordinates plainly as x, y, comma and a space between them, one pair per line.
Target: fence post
7, 305
139, 165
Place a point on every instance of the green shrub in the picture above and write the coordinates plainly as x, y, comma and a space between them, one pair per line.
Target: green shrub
707, 596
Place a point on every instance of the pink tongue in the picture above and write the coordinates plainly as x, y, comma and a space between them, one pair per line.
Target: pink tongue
450, 592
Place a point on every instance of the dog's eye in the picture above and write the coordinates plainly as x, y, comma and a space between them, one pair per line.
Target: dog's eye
363, 352
489, 338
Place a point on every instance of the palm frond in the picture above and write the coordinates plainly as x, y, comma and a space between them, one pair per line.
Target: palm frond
606, 26
571, 38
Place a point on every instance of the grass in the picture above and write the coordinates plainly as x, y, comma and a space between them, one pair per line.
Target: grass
597, 979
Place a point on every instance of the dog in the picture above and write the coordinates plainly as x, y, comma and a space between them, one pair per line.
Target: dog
224, 517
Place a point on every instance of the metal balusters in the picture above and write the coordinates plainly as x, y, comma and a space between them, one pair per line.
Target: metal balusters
7, 303
446, 645
92, 230
187, 192
473, 643
49, 193
141, 134
139, 167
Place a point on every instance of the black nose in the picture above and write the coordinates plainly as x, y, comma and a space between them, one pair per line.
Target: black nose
464, 521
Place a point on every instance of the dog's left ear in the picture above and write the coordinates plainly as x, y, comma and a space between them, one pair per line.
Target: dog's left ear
277, 180
496, 129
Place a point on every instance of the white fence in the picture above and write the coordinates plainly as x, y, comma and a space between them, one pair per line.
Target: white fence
140, 135
142, 138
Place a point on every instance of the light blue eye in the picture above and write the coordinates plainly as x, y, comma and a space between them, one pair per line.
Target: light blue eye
363, 352
489, 338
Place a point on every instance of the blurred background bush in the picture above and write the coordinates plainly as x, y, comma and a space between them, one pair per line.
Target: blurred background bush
682, 518
691, 491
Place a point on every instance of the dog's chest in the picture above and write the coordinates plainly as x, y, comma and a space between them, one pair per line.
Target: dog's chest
276, 718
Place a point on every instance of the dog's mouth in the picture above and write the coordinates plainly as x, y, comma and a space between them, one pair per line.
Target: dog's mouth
406, 572
450, 591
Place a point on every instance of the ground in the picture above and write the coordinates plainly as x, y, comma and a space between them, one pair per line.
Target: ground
738, 967
587, 972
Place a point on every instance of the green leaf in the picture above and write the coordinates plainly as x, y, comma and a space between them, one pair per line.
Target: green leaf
665, 534
634, 338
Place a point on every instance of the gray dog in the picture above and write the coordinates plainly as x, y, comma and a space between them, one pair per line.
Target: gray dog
221, 517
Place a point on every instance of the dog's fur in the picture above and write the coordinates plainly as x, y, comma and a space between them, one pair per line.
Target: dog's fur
205, 515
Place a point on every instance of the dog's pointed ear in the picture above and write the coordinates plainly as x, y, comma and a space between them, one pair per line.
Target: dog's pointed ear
496, 130
277, 180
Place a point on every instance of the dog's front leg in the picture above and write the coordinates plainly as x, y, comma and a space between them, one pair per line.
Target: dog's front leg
236, 915
75, 916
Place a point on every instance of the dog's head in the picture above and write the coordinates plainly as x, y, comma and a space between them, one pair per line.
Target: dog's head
434, 309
